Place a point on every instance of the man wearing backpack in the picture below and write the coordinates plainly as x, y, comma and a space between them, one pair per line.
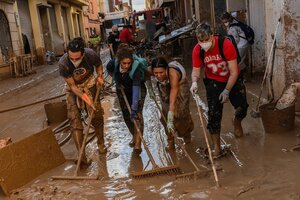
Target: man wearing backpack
241, 34
221, 80
127, 71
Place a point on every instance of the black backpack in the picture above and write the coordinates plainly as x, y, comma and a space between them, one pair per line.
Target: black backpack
249, 33
221, 40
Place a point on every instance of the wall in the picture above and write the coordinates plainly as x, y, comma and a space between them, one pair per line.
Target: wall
291, 21
287, 53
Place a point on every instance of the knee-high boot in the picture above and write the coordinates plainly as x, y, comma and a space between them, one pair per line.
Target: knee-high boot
171, 143
217, 143
137, 142
100, 137
78, 139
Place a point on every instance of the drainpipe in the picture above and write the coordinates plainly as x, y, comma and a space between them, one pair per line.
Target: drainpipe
250, 55
212, 13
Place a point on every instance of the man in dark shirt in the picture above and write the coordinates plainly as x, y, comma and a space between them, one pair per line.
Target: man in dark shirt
114, 41
77, 67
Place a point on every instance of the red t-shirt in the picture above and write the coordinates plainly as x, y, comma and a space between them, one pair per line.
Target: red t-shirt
215, 67
125, 36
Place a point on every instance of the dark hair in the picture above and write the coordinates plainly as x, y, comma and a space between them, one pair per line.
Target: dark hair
124, 51
227, 16
77, 44
203, 30
159, 62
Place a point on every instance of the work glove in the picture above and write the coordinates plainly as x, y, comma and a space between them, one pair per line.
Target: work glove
100, 81
170, 122
194, 88
224, 96
88, 101
133, 114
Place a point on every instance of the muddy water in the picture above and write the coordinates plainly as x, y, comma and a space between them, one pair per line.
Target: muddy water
267, 172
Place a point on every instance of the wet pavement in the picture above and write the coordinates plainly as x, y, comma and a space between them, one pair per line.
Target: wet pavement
265, 170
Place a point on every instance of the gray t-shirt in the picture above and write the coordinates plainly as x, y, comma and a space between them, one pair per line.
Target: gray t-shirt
84, 70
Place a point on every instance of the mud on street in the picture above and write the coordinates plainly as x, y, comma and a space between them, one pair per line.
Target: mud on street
265, 170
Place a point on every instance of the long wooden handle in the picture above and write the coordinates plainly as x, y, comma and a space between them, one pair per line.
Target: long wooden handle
139, 131
207, 143
176, 138
86, 132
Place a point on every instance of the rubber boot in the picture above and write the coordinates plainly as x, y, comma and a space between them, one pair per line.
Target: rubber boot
78, 139
100, 137
171, 142
217, 144
137, 143
238, 129
187, 138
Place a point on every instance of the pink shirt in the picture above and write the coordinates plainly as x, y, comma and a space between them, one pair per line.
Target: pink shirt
215, 67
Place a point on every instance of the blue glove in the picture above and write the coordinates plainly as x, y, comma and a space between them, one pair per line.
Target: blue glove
170, 122
133, 114
224, 96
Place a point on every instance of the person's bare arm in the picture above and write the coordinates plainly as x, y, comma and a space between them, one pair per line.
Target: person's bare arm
174, 83
71, 83
195, 74
100, 80
233, 70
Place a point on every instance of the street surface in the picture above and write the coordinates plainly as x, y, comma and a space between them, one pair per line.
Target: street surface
267, 172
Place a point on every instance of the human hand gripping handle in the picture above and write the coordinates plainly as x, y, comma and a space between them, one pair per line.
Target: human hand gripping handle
100, 81
224, 95
170, 122
194, 88
88, 101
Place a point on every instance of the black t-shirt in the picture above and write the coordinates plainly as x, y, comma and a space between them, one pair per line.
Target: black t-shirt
114, 39
84, 70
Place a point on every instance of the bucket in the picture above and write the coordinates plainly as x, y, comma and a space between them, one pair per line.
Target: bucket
277, 121
56, 112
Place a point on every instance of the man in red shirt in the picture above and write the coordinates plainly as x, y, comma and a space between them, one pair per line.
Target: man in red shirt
221, 80
125, 35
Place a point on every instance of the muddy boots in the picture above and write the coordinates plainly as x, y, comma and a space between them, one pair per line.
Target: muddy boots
78, 139
137, 143
238, 129
187, 138
217, 144
100, 139
171, 143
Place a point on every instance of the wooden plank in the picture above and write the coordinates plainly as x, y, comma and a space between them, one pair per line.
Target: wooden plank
23, 161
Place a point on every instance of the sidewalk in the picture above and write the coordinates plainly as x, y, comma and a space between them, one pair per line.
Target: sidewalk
13, 84
8, 85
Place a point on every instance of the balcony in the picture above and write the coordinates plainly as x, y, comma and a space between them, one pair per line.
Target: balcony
80, 2
165, 3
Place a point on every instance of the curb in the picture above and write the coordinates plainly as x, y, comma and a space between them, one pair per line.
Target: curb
29, 82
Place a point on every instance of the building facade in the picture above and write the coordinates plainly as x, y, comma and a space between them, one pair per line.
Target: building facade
10, 40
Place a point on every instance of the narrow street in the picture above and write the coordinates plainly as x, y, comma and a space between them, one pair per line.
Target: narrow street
267, 172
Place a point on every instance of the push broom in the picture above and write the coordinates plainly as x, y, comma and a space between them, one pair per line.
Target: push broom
206, 140
188, 175
86, 133
156, 170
